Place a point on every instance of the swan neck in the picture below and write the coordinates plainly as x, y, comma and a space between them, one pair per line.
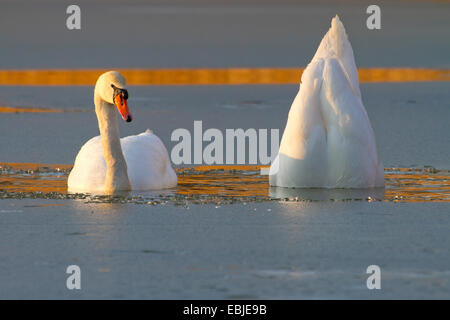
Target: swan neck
116, 167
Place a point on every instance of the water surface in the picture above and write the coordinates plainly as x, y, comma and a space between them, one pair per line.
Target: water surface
225, 184
410, 120
222, 233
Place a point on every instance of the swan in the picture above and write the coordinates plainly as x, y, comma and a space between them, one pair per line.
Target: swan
328, 141
108, 164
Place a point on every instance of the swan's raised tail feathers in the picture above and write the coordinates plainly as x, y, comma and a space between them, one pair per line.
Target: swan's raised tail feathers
338, 35
335, 44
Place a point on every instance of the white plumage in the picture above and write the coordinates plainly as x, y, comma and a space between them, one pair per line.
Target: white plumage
328, 140
108, 164
147, 160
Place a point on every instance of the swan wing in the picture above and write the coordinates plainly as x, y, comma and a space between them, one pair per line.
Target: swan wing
89, 170
302, 154
352, 159
148, 162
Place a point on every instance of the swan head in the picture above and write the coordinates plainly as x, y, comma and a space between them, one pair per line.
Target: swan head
111, 88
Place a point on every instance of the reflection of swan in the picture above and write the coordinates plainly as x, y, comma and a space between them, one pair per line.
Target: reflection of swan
321, 194
143, 164
328, 141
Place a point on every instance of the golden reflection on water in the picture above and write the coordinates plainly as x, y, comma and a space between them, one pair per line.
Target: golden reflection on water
204, 76
235, 181
416, 186
33, 177
4, 109
402, 184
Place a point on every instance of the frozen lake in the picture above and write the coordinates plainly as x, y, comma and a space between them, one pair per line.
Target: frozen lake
253, 248
218, 33
410, 120
222, 234
274, 250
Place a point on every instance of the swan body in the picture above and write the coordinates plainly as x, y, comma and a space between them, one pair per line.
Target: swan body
147, 159
108, 164
328, 141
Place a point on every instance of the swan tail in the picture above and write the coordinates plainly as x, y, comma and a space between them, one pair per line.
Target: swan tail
335, 44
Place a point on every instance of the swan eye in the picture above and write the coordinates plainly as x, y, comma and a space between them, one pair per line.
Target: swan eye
118, 91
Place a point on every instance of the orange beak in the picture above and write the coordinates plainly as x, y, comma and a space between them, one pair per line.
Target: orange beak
122, 106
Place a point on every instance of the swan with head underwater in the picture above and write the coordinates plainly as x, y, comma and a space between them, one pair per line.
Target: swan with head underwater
328, 141
108, 164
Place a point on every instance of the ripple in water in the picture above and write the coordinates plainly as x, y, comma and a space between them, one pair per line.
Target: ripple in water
225, 185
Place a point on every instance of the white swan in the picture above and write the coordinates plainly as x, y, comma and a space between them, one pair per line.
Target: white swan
108, 164
328, 141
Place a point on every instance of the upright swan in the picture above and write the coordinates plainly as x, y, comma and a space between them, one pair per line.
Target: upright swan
328, 141
108, 164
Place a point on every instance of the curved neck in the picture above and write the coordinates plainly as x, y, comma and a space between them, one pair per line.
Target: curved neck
116, 166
